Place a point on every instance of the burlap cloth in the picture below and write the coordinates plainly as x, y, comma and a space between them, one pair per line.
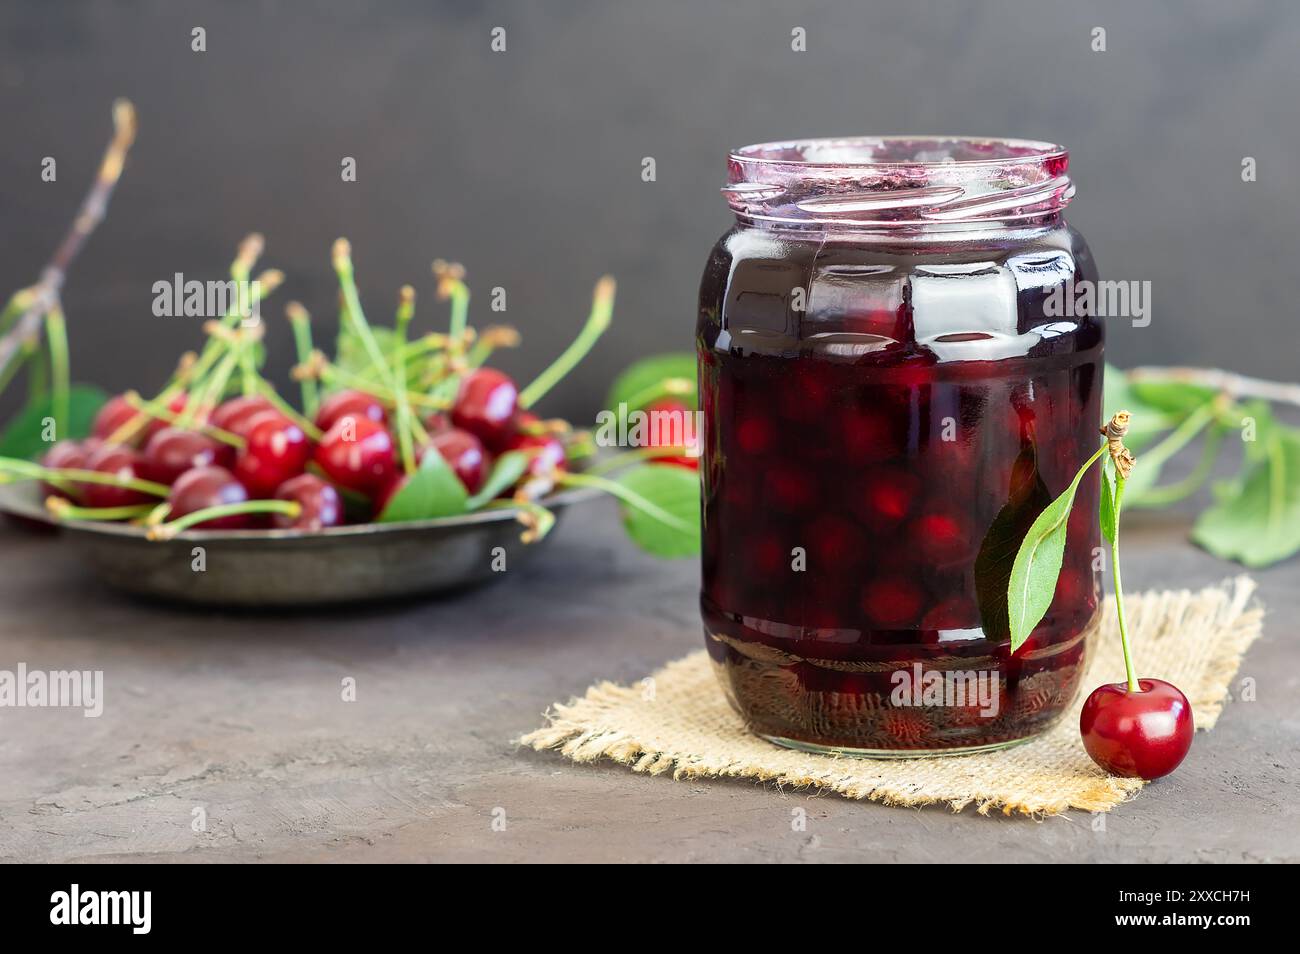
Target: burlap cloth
1195, 640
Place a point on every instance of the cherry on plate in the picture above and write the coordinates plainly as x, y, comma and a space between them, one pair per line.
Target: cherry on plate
321, 504
485, 406
464, 453
205, 487
350, 403
122, 462
276, 450
358, 453
234, 414
173, 450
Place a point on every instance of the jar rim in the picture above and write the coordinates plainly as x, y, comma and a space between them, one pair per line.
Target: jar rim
941, 182
1013, 151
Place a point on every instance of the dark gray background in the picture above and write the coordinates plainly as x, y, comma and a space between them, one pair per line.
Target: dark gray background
526, 165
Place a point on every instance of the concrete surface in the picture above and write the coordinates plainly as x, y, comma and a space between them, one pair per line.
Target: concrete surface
242, 717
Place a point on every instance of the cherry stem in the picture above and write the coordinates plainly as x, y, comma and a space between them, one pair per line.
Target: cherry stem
629, 497
161, 413
28, 470
669, 387
1119, 590
56, 334
64, 510
353, 314
1234, 385
300, 320
405, 312
635, 456
602, 310
165, 531
333, 374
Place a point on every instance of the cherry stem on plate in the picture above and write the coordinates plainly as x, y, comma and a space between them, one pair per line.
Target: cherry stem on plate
152, 409
66, 510
405, 312
165, 531
300, 321
635, 456
27, 470
602, 310
56, 335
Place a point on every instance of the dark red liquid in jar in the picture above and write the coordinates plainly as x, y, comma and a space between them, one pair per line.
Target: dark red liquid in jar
871, 464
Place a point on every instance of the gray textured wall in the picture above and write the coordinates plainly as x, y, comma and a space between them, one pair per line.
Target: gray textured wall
526, 165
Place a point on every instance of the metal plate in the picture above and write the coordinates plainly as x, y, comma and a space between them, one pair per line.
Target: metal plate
286, 568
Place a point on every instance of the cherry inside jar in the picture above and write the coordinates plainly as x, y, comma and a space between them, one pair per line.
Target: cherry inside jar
891, 395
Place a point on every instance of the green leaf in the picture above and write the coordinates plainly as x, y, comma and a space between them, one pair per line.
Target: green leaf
1109, 518
675, 490
1260, 524
23, 436
352, 357
433, 490
1172, 397
1027, 496
639, 380
509, 467
1038, 564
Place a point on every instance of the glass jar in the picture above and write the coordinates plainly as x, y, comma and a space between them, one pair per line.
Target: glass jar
890, 399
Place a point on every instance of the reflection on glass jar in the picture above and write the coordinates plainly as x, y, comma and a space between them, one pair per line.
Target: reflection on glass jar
888, 406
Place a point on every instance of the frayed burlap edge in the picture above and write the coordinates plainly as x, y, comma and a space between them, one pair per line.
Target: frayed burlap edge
678, 721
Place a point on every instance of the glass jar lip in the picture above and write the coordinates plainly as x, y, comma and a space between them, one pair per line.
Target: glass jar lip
1015, 151
892, 182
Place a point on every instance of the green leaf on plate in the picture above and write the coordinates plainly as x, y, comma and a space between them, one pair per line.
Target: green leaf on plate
23, 435
507, 470
1109, 518
675, 493
432, 491
1260, 523
1038, 564
636, 385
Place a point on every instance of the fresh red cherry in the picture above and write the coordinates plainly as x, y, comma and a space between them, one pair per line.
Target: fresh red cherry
276, 450
355, 403
64, 455
464, 453
232, 415
357, 453
173, 450
485, 406
321, 504
112, 416
205, 487
547, 451
672, 424
1144, 734
122, 462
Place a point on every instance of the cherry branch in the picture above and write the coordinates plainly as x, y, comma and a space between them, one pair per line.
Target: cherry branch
45, 293
1228, 382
